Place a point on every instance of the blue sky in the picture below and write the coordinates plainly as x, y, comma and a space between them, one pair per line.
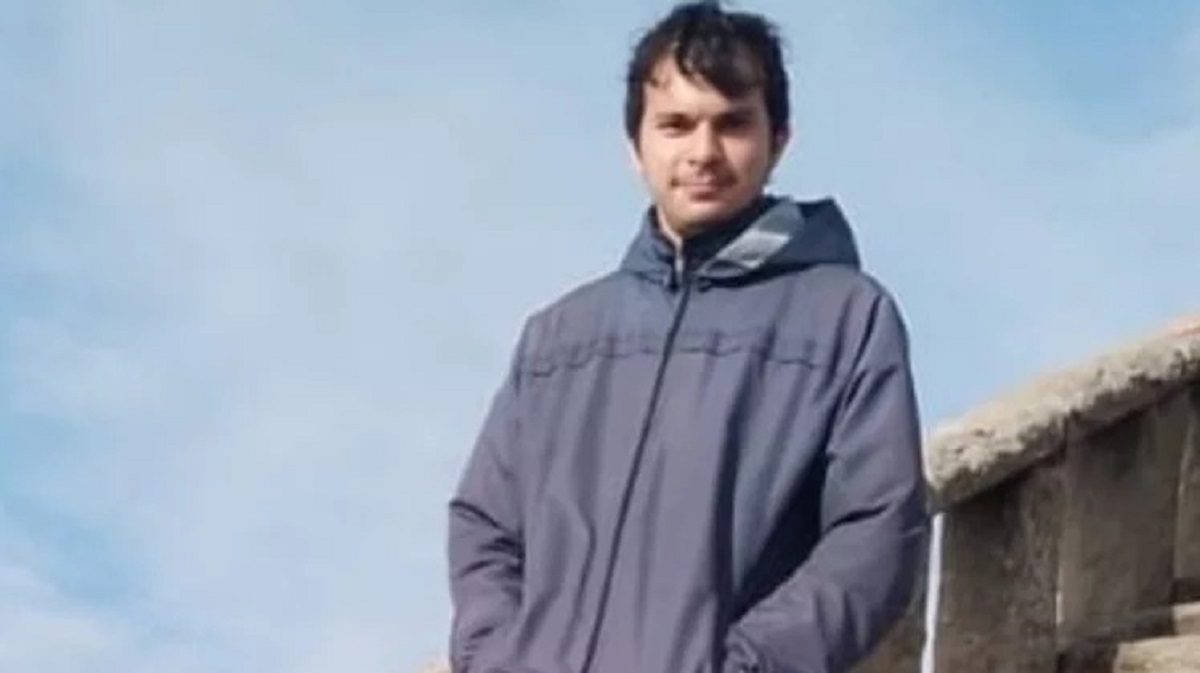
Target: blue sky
261, 264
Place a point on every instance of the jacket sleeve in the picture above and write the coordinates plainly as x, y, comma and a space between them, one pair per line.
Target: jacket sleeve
484, 546
865, 569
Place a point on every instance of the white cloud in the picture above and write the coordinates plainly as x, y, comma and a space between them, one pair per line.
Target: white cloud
43, 630
293, 260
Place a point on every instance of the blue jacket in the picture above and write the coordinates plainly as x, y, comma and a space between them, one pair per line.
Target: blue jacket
700, 462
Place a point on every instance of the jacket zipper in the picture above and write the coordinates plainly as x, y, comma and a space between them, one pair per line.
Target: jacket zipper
681, 282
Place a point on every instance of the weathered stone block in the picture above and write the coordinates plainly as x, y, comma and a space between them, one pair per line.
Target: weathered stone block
1187, 550
997, 609
1119, 527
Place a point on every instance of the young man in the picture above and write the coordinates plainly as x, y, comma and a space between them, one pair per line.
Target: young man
709, 459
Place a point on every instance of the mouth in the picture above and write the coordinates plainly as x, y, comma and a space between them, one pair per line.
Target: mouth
703, 188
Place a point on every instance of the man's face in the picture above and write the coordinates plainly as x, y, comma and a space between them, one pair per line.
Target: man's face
702, 155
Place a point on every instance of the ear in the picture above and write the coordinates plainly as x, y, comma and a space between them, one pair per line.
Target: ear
635, 156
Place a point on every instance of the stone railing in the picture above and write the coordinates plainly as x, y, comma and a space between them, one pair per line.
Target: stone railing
1069, 508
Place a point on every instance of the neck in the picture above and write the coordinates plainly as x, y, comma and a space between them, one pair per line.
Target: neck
668, 230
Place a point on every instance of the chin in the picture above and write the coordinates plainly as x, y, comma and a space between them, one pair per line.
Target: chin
698, 216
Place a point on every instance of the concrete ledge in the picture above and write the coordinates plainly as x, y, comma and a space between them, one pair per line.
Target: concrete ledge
978, 451
1180, 654
1172, 620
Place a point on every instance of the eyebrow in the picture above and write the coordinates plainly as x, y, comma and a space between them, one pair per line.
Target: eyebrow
739, 113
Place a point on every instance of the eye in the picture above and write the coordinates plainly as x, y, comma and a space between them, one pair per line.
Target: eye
673, 124
737, 123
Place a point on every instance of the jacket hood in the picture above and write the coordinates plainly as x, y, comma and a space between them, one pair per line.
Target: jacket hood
776, 234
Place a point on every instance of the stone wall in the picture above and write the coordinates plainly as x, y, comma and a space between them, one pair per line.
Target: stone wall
1068, 505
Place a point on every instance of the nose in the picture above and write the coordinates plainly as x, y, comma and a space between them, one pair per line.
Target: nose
705, 147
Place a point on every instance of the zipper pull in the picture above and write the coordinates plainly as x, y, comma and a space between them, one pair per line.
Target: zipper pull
681, 273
